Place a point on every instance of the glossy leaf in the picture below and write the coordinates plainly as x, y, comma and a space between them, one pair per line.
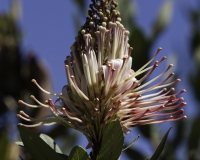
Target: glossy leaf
112, 142
160, 147
63, 133
78, 153
37, 148
48, 140
51, 143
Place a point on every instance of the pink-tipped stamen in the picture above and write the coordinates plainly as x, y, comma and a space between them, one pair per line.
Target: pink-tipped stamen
68, 116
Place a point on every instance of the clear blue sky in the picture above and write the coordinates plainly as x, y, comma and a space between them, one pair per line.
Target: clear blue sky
49, 31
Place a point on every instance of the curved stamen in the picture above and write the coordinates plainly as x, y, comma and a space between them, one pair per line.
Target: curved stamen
35, 82
43, 105
73, 118
29, 105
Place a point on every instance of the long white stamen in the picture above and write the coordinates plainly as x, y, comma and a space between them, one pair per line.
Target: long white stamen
34, 81
43, 105
29, 105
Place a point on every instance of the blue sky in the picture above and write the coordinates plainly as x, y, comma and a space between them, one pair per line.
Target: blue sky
49, 31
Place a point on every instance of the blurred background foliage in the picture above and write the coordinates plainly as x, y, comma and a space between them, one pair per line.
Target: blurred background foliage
18, 68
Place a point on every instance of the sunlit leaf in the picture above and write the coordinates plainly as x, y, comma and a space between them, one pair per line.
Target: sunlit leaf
51, 143
64, 133
46, 139
37, 148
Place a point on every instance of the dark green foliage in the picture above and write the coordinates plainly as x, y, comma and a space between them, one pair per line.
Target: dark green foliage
37, 148
16, 71
50, 142
44, 147
46, 139
78, 153
112, 142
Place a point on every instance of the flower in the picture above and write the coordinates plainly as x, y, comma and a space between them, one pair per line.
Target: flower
102, 86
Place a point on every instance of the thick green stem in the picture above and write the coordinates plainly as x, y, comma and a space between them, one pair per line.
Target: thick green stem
95, 150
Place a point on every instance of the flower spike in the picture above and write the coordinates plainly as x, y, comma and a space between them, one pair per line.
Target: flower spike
103, 87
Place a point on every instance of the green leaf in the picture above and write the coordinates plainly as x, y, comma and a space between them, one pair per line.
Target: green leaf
51, 143
36, 146
48, 140
78, 153
112, 142
65, 157
160, 147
